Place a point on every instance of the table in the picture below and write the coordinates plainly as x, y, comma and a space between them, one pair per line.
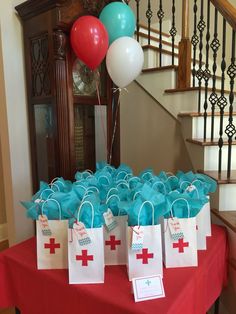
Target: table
188, 290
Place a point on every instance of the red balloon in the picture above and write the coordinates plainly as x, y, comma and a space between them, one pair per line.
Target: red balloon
89, 40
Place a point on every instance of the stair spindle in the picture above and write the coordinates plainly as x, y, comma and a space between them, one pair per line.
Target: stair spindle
173, 32
137, 18
201, 26
160, 15
194, 40
215, 44
206, 73
230, 128
222, 101
149, 17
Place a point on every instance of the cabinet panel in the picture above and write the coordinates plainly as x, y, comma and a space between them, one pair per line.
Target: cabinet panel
45, 144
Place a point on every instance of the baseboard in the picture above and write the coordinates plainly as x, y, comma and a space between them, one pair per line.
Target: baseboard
3, 232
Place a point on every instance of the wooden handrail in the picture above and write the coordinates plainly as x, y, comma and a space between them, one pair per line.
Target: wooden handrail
227, 10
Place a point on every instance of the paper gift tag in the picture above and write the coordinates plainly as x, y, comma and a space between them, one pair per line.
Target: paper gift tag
43, 222
175, 228
137, 238
190, 188
110, 221
80, 230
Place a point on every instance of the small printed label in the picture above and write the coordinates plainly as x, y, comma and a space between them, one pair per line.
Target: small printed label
81, 232
190, 188
39, 200
175, 228
148, 288
137, 238
110, 221
43, 222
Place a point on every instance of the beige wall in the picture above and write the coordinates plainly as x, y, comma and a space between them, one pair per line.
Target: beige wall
3, 218
12, 71
150, 136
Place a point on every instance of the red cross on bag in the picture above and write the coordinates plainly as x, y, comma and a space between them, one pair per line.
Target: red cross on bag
52, 245
180, 245
113, 242
144, 256
84, 257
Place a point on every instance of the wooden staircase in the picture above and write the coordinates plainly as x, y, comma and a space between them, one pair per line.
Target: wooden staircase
161, 83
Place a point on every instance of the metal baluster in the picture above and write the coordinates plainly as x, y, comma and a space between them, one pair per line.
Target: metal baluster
137, 19
222, 101
199, 74
160, 15
230, 129
149, 17
173, 32
215, 44
207, 72
194, 41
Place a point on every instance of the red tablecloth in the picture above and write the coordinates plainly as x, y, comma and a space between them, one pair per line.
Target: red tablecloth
188, 290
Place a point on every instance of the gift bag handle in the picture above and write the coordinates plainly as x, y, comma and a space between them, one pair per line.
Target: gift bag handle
80, 185
92, 209
141, 207
122, 182
121, 172
183, 182
160, 182
108, 181
41, 194
170, 177
135, 194
55, 201
177, 200
111, 189
146, 173
110, 197
93, 188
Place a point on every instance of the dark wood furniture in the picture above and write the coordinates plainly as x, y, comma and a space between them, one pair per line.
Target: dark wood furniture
61, 118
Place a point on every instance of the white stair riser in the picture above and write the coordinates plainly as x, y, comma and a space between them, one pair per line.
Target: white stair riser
151, 60
211, 158
198, 127
206, 157
225, 197
153, 34
144, 41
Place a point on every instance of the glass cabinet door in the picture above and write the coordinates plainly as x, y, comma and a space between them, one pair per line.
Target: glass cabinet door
45, 142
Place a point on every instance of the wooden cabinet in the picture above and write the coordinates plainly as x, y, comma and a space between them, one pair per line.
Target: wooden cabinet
63, 113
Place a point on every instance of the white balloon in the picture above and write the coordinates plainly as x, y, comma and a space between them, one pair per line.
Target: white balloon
124, 60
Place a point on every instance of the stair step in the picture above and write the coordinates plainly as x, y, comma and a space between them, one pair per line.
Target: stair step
228, 217
164, 42
191, 89
207, 142
201, 114
221, 178
153, 30
158, 69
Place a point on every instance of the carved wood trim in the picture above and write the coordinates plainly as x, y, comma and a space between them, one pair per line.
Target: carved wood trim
31, 8
227, 10
60, 41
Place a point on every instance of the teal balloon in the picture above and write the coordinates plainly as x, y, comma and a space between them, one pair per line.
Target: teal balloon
118, 19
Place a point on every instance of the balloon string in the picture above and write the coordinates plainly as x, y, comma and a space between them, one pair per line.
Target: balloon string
114, 129
101, 118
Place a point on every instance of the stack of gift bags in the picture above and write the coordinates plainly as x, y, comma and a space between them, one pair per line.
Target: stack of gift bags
112, 217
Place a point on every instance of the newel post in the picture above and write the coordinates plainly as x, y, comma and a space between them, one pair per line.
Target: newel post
184, 68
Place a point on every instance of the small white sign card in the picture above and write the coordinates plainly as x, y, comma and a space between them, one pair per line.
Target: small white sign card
148, 288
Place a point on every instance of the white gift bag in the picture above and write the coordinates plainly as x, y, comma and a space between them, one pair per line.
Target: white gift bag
181, 252
52, 245
115, 247
86, 262
146, 261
